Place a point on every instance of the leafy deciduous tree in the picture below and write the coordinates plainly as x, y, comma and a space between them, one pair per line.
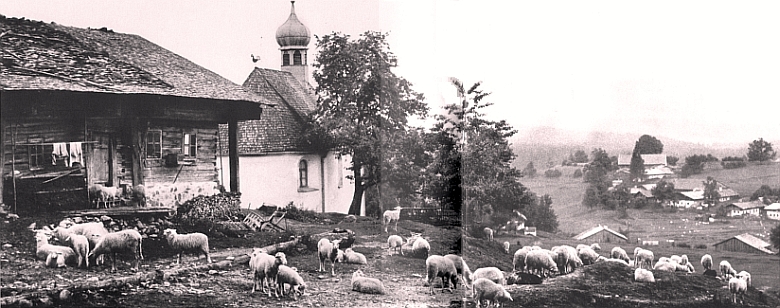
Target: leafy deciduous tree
649, 145
760, 150
664, 192
711, 194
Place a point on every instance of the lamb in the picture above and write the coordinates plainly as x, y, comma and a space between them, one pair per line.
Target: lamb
488, 233
363, 284
119, 242
394, 241
78, 242
726, 270
439, 266
327, 250
642, 257
506, 247
706, 262
265, 268
197, 242
352, 257
289, 276
587, 255
43, 249
461, 267
744, 276
643, 275
738, 286
55, 260
540, 262
390, 216
620, 253
489, 291
491, 273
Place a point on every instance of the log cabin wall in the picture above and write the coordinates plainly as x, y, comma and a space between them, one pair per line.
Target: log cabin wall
200, 167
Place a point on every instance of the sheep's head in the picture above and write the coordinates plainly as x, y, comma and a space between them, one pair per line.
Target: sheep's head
169, 232
595, 246
357, 273
335, 247
66, 223
281, 258
256, 252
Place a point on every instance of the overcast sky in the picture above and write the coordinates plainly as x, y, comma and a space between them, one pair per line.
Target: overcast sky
700, 71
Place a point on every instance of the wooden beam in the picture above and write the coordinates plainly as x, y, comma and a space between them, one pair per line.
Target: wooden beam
137, 141
233, 154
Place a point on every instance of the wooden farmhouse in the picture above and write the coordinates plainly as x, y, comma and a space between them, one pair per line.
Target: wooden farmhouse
745, 208
744, 243
82, 107
601, 234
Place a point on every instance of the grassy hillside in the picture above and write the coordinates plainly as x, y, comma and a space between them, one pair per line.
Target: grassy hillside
746, 180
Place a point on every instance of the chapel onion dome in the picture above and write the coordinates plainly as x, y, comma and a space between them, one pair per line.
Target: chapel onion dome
293, 33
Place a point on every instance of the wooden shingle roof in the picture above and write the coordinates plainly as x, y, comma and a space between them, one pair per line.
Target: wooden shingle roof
41, 56
590, 232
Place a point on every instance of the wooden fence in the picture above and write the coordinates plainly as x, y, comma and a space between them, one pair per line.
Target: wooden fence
431, 215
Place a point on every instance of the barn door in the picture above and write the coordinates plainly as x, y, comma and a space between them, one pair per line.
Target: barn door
101, 165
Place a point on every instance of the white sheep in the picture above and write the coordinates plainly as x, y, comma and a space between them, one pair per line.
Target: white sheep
394, 241
288, 275
43, 249
363, 284
265, 268
490, 292
55, 260
80, 245
488, 233
390, 216
643, 275
587, 255
664, 259
567, 259
506, 247
540, 262
439, 266
197, 242
594, 246
670, 266
610, 260
125, 241
461, 267
87, 229
349, 219
642, 257
737, 286
706, 262
677, 259
491, 273
518, 260
421, 246
726, 270
327, 250
745, 276
352, 257
684, 259
620, 253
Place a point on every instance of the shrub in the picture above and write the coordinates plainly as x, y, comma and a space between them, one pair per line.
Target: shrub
700, 246
683, 245
733, 164
552, 173
204, 211
577, 173
300, 214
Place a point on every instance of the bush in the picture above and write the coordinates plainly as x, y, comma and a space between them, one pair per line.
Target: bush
205, 211
552, 173
733, 164
683, 245
577, 173
700, 246
300, 214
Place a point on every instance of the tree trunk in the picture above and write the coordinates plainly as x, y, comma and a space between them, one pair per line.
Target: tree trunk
357, 197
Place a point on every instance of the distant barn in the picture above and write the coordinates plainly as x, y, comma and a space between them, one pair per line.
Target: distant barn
744, 243
601, 234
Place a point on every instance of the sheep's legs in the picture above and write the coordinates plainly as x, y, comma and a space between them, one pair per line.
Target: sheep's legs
178, 261
333, 268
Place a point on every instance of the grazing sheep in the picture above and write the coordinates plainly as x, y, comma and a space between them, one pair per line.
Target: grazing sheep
327, 250
390, 216
726, 270
363, 284
684, 259
421, 246
488, 233
490, 292
664, 259
706, 262
439, 266
620, 253
610, 260
540, 262
43, 249
643, 275
288, 275
461, 267
677, 259
587, 255
518, 261
506, 247
265, 268
670, 266
642, 257
567, 259
394, 241
594, 246
197, 242
491, 273
737, 286
119, 242
744, 276
352, 257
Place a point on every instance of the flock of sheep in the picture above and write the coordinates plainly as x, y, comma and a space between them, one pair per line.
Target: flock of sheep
87, 241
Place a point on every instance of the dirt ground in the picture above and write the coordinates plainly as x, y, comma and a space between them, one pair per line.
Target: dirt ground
599, 285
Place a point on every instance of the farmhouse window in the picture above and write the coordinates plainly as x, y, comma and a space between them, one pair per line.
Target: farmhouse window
36, 156
189, 145
303, 172
285, 59
297, 58
154, 144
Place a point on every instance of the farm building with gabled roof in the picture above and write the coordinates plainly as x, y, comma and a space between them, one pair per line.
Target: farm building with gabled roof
745, 208
744, 243
772, 211
82, 107
601, 234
